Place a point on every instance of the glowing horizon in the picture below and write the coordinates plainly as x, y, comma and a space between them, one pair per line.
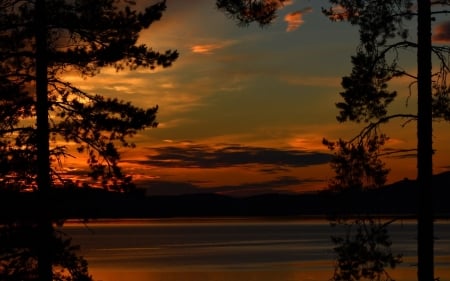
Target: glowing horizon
256, 90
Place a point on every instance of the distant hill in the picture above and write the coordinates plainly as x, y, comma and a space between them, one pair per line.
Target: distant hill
404, 194
399, 198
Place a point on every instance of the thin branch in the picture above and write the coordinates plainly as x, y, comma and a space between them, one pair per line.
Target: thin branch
397, 151
401, 44
373, 125
404, 73
410, 92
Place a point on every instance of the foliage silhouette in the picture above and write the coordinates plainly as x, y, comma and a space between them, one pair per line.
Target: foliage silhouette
364, 251
82, 37
380, 25
356, 164
19, 255
40, 41
245, 12
367, 97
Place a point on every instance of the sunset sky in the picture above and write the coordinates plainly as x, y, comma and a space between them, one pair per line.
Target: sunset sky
244, 109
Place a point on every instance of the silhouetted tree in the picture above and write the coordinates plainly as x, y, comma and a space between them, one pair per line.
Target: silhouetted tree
248, 11
40, 41
363, 251
61, 36
366, 96
357, 164
19, 248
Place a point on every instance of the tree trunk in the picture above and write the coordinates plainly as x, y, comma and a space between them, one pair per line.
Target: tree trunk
44, 229
424, 146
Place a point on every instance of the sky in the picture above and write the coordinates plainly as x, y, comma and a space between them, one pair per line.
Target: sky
244, 110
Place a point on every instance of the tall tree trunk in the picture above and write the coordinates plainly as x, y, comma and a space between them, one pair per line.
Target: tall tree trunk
44, 229
424, 146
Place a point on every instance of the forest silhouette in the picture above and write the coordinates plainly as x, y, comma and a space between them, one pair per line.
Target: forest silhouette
396, 200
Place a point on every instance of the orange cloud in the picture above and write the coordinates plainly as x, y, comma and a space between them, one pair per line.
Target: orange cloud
179, 167
441, 33
210, 48
295, 19
338, 13
204, 49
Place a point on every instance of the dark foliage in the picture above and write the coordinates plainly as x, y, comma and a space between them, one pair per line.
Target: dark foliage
42, 115
248, 11
383, 33
82, 37
366, 96
356, 164
364, 251
382, 36
19, 258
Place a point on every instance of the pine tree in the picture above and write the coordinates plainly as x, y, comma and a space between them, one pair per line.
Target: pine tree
366, 96
383, 33
40, 41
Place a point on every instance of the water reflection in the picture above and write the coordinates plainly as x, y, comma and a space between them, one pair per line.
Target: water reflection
21, 244
279, 275
208, 251
227, 250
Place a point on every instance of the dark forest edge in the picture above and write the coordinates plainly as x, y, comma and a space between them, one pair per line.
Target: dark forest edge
394, 200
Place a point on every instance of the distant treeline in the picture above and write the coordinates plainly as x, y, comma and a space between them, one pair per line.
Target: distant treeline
399, 199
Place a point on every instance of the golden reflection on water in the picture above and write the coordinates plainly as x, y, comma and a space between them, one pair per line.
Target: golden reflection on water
116, 275
211, 276
303, 271
123, 250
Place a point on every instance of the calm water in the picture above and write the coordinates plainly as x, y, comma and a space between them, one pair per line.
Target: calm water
231, 250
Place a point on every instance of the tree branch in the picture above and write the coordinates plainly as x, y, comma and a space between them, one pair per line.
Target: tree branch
373, 125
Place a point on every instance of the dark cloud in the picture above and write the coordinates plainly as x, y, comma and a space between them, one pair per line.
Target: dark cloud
441, 32
274, 169
273, 161
405, 156
279, 185
204, 156
171, 188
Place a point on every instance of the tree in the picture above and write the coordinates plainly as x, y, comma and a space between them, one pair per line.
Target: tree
366, 97
79, 36
364, 251
357, 164
40, 41
383, 34
248, 11
18, 255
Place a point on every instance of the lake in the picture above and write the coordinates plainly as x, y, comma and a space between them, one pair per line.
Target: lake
232, 249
